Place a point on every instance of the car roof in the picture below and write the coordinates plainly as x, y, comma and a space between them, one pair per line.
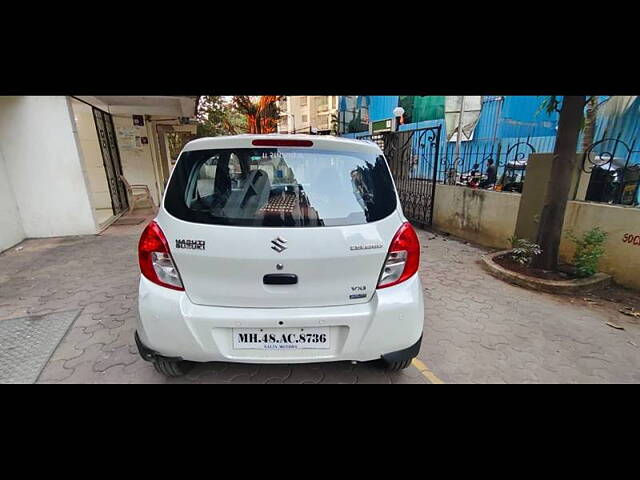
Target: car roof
320, 142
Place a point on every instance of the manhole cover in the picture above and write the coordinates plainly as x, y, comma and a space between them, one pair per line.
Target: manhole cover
27, 343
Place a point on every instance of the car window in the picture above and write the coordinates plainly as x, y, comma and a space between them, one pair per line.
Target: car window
280, 187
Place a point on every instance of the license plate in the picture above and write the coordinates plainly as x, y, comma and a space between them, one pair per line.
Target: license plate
281, 338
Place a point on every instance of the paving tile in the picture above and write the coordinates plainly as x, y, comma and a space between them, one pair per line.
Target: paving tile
477, 328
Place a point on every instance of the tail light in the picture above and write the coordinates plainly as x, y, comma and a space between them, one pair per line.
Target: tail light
403, 259
155, 259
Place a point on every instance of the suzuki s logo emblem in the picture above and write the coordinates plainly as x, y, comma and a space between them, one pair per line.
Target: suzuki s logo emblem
279, 244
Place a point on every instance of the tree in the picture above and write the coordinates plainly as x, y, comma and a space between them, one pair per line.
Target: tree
572, 119
176, 142
216, 117
262, 113
563, 165
589, 122
335, 124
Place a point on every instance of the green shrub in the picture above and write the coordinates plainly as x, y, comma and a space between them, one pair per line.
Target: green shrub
524, 250
589, 249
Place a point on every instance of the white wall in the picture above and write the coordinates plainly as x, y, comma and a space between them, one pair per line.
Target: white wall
43, 164
11, 231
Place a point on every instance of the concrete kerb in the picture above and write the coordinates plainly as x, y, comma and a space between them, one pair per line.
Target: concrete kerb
562, 287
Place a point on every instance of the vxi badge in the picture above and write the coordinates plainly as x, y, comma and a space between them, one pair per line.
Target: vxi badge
361, 292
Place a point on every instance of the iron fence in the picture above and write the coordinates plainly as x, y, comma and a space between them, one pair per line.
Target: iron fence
412, 156
614, 166
509, 156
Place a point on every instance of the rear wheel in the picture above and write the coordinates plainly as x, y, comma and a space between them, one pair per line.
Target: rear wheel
170, 367
398, 365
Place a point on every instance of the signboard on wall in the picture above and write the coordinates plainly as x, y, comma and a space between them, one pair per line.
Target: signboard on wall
126, 138
381, 126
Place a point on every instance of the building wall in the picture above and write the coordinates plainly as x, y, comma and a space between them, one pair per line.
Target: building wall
299, 111
309, 115
43, 165
11, 231
622, 249
136, 158
320, 109
489, 218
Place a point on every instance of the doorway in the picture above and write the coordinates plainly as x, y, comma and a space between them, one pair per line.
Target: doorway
171, 140
101, 162
111, 160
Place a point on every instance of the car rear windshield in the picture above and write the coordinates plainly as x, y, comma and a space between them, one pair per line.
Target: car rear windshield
274, 187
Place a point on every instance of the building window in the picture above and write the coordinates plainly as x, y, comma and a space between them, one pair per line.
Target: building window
303, 101
305, 118
322, 103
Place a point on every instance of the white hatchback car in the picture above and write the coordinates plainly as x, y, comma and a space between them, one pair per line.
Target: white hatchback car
279, 249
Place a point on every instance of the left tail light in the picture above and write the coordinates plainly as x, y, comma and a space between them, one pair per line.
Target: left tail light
156, 263
403, 258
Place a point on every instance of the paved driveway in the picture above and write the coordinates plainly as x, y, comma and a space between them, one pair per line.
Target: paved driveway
477, 328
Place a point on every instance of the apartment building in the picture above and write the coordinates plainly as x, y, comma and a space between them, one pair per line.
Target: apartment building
307, 114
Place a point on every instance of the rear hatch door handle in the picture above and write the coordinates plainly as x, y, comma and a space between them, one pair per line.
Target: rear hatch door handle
280, 279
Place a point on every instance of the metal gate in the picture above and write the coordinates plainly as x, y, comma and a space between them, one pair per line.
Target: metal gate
412, 156
111, 160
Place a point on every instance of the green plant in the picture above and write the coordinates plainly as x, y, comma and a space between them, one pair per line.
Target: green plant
216, 117
523, 250
589, 249
335, 125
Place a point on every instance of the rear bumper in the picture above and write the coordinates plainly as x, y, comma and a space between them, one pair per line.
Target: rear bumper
405, 353
170, 325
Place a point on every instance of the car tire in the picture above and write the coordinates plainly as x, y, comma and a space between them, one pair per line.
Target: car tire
397, 366
170, 367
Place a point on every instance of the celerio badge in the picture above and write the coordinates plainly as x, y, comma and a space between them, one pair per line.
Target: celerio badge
366, 246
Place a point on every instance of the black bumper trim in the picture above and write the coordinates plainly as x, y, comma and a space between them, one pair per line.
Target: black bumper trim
404, 354
147, 354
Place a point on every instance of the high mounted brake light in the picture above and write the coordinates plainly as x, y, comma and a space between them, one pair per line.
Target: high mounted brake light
403, 259
267, 142
156, 263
